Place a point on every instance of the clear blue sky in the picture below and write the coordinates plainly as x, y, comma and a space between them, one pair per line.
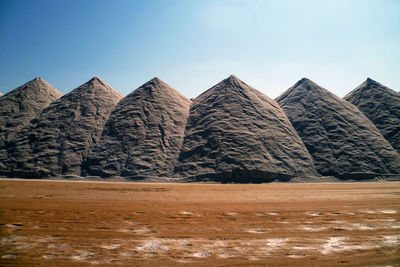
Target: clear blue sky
193, 44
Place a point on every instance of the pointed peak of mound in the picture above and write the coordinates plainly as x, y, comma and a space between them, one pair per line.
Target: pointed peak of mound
368, 83
98, 87
39, 84
229, 87
157, 88
157, 82
305, 82
96, 80
369, 80
19, 106
368, 88
381, 105
305, 87
33, 88
233, 78
233, 81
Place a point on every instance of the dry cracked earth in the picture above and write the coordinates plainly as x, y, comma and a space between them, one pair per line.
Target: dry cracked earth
65, 223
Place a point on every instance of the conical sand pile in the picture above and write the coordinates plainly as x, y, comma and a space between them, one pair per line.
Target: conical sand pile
143, 135
236, 134
20, 106
342, 141
382, 106
60, 138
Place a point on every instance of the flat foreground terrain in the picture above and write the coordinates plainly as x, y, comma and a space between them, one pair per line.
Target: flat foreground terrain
64, 223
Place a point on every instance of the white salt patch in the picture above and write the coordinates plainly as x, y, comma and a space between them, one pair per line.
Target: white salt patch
296, 256
276, 242
333, 244
23, 246
186, 213
350, 213
224, 255
153, 245
133, 222
44, 239
336, 244
83, 256
13, 225
313, 228
315, 214
50, 256
366, 227
232, 213
395, 226
255, 231
201, 254
113, 246
11, 239
221, 243
273, 213
143, 230
369, 211
8, 256
358, 226
299, 247
392, 240
184, 242
388, 211
8, 239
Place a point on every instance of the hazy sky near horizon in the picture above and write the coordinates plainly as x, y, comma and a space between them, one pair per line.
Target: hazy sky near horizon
192, 45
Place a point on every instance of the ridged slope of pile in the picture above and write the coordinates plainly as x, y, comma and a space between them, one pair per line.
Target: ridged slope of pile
60, 138
343, 142
382, 106
143, 135
237, 134
20, 106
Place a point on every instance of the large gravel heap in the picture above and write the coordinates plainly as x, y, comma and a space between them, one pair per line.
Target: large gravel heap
143, 135
235, 133
382, 106
60, 138
342, 140
21, 105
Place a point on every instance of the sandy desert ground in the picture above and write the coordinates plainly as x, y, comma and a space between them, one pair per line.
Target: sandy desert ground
65, 223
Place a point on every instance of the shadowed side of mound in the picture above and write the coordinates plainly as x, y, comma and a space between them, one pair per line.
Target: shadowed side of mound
382, 106
21, 105
342, 141
59, 140
143, 135
235, 133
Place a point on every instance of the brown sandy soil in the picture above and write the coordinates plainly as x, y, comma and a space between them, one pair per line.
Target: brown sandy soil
64, 223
